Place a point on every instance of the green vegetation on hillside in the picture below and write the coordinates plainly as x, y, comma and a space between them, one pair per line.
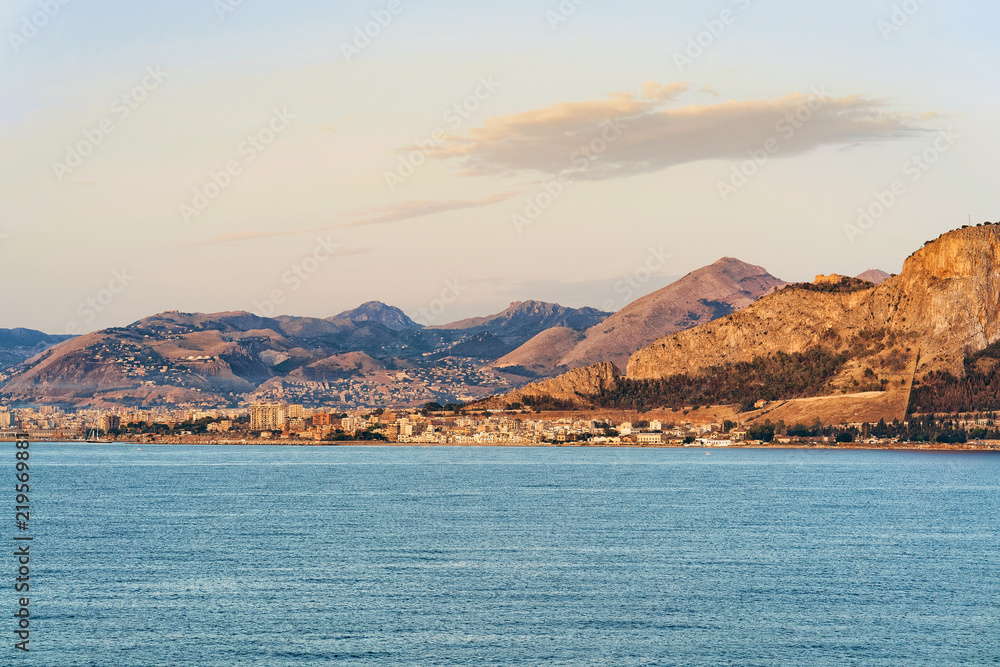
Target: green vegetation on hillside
845, 285
979, 390
779, 376
544, 402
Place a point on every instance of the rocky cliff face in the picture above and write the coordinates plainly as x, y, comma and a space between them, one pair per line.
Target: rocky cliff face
944, 304
570, 386
953, 285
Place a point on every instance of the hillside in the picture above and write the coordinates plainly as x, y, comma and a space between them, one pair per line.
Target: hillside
867, 343
571, 388
543, 353
701, 296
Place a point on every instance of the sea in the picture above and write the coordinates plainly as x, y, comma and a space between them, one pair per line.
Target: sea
341, 555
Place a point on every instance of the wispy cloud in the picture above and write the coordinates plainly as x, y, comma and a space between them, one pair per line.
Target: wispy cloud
656, 135
419, 208
250, 236
368, 216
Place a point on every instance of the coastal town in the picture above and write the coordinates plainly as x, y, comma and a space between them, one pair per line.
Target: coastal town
294, 424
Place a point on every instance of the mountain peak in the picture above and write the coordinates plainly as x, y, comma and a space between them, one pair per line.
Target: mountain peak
704, 294
380, 313
875, 276
532, 317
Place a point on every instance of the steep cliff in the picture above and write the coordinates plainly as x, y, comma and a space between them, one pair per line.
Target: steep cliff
839, 353
945, 304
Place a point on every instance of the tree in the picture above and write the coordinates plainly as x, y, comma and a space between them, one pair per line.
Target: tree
763, 432
801, 431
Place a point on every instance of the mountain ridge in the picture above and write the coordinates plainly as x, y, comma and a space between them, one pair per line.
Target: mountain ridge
20, 344
515, 318
700, 296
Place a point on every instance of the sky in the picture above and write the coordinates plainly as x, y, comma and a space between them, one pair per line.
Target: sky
301, 158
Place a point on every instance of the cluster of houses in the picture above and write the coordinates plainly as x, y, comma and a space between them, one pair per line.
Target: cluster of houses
271, 420
281, 421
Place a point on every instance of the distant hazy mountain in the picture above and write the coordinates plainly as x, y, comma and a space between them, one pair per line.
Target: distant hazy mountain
530, 318
701, 296
376, 311
19, 344
875, 276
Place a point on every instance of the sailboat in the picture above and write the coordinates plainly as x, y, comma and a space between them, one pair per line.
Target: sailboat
93, 436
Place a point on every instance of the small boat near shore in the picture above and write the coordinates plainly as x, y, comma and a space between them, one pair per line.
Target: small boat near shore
93, 437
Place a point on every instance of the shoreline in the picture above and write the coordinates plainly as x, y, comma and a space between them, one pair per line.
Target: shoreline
906, 447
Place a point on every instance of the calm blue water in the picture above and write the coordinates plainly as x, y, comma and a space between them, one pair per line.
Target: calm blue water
471, 556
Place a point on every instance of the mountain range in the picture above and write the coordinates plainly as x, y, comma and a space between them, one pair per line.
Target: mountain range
221, 358
227, 358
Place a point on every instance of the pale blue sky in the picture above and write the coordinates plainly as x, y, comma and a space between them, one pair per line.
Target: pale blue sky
323, 178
